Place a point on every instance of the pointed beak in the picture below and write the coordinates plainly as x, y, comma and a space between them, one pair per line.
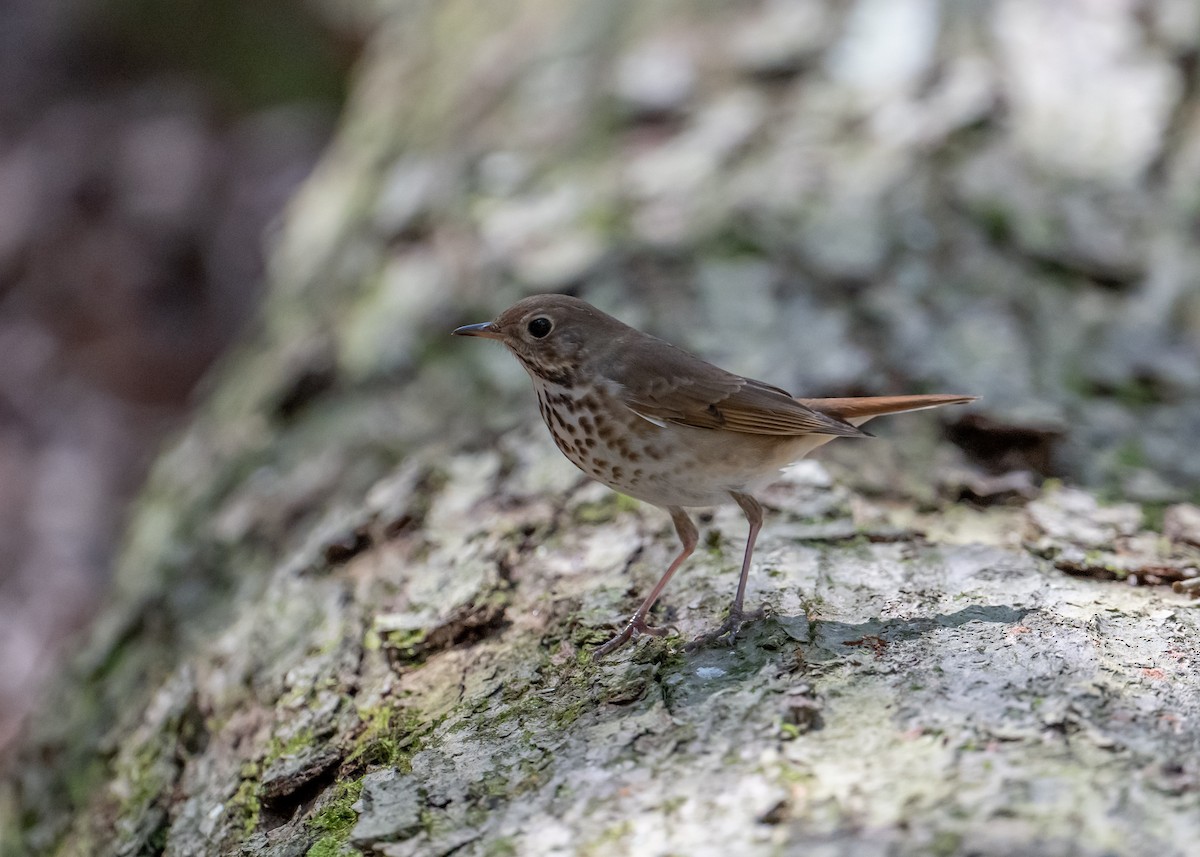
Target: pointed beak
485, 329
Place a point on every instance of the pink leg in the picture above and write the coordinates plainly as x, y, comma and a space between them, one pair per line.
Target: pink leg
737, 617
637, 624
754, 515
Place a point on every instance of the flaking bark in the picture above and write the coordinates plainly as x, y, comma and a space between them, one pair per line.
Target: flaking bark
356, 604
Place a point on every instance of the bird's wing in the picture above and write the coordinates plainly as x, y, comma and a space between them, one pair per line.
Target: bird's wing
665, 384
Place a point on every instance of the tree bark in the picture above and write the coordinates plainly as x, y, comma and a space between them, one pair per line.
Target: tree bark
356, 604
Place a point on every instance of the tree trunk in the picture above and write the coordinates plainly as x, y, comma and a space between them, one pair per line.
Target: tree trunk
356, 604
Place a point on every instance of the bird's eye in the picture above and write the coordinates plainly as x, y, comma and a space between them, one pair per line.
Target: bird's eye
540, 327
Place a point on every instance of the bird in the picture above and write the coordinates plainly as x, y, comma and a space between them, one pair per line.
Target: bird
659, 424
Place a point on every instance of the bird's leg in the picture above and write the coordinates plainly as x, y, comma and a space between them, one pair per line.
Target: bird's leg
689, 536
754, 516
737, 616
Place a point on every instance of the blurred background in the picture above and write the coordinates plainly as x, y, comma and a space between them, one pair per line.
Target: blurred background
996, 197
145, 150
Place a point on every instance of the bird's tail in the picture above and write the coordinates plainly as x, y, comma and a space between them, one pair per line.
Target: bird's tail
857, 411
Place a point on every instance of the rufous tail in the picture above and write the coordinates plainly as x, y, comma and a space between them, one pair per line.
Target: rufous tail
857, 411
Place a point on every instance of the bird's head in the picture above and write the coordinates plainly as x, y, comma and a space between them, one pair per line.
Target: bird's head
551, 335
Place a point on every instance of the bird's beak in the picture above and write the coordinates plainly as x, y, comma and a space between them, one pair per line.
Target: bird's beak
485, 329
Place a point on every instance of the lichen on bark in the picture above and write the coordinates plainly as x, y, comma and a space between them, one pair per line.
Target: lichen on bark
358, 595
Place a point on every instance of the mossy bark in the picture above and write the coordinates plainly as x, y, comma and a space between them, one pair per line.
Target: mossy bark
356, 604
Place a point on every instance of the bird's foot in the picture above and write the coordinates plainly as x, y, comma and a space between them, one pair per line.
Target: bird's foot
727, 633
637, 627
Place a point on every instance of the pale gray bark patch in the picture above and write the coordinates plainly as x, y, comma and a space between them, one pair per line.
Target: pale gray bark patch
356, 604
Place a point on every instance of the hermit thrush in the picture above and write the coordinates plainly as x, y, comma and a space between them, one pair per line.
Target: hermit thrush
652, 421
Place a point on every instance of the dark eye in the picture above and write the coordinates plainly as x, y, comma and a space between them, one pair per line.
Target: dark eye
540, 327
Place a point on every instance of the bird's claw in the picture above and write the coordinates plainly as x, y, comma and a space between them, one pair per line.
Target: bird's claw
637, 627
727, 633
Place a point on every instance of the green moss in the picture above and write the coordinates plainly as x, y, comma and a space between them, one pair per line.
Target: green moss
945, 843
278, 748
614, 835
627, 504
995, 222
491, 784
735, 239
1096, 559
407, 643
335, 821
606, 218
598, 512
533, 776
1136, 393
794, 775
531, 706
372, 642
145, 779
663, 652
569, 713
812, 605
502, 847
337, 816
477, 815
605, 509
330, 846
585, 637
80, 841
246, 803
673, 804
1131, 454
83, 780
1153, 515
860, 544
389, 737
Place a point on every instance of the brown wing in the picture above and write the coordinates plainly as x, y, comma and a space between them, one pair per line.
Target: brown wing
665, 384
